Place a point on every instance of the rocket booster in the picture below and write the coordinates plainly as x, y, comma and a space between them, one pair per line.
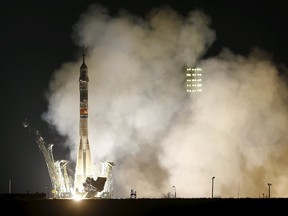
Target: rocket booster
84, 162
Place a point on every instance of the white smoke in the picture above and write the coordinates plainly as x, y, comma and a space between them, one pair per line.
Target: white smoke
141, 117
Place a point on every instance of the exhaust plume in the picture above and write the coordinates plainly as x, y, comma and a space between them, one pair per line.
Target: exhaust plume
141, 117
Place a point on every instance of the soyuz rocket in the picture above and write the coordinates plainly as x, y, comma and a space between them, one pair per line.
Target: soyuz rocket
83, 163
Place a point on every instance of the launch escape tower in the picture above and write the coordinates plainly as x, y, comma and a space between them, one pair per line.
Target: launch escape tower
83, 162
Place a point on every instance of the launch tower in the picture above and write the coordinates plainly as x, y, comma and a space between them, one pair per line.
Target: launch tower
61, 183
83, 162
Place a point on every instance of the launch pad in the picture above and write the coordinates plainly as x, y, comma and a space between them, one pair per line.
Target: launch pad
62, 180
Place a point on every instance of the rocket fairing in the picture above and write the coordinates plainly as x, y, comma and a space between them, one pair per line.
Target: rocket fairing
83, 163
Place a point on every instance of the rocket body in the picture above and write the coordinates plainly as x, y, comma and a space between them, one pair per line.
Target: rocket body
83, 162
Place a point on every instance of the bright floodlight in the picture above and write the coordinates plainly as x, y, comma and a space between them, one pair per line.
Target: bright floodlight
193, 80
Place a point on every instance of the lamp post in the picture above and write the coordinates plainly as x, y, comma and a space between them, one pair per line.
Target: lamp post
269, 184
47, 192
175, 191
9, 189
213, 185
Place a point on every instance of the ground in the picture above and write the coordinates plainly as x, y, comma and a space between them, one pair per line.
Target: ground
42, 206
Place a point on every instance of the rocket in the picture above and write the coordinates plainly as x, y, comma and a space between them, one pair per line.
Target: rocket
83, 162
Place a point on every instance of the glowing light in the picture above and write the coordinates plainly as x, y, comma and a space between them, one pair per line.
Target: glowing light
77, 197
194, 84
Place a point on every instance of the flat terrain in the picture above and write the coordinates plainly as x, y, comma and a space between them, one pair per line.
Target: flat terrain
126, 207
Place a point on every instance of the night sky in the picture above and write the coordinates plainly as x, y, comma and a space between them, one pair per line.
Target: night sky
37, 39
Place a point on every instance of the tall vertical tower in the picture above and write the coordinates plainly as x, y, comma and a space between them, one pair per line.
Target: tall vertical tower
83, 162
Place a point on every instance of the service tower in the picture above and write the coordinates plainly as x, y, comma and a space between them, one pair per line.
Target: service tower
83, 163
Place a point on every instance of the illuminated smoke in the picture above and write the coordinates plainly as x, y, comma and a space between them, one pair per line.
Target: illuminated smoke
141, 117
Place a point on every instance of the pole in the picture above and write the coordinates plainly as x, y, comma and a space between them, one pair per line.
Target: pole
9, 189
213, 185
175, 191
47, 192
269, 184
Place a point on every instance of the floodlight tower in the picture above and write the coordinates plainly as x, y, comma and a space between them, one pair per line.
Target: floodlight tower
193, 80
213, 186
269, 184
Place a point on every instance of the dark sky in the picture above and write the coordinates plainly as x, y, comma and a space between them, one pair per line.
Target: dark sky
36, 38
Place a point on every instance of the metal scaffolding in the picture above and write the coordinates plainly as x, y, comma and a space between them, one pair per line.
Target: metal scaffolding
60, 180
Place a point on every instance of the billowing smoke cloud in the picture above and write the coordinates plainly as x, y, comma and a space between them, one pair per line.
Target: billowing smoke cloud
158, 136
